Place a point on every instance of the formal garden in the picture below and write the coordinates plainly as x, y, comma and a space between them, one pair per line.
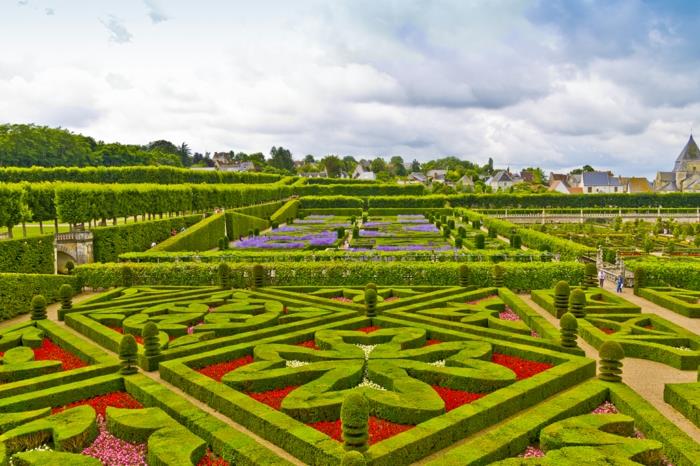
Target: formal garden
284, 321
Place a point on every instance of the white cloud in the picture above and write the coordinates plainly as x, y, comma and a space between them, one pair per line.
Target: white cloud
155, 12
117, 30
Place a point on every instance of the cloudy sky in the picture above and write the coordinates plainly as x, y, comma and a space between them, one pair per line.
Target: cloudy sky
549, 83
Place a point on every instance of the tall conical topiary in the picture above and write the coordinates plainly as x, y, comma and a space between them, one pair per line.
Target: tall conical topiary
479, 241
354, 418
463, 275
640, 276
258, 276
498, 276
371, 285
353, 458
569, 330
459, 242
224, 273
516, 242
590, 275
611, 356
127, 354
151, 345
38, 307
65, 293
577, 303
371, 302
561, 298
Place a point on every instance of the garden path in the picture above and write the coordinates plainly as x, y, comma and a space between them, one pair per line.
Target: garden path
687, 323
647, 378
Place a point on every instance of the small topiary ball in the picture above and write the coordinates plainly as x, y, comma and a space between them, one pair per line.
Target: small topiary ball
38, 307
611, 350
561, 288
353, 458
127, 354
151, 345
568, 322
577, 303
371, 285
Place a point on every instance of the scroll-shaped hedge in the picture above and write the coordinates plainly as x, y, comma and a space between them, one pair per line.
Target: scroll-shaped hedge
169, 443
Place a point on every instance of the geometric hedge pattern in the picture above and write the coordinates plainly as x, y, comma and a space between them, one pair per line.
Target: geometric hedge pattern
451, 375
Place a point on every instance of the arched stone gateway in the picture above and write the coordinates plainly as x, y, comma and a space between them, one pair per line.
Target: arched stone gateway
75, 246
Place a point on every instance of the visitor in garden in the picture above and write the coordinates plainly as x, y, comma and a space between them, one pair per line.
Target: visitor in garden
601, 278
620, 283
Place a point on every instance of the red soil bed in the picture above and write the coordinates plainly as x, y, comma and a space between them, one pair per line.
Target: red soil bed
432, 342
522, 367
369, 329
273, 398
101, 402
217, 371
379, 429
210, 459
456, 398
50, 351
607, 331
309, 344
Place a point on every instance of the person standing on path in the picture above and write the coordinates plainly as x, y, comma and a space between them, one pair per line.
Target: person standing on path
601, 278
620, 283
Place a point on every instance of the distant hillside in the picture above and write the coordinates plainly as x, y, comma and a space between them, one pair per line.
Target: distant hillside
28, 145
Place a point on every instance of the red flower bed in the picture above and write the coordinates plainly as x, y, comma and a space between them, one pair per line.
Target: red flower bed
342, 299
370, 329
211, 459
379, 429
50, 351
456, 398
217, 371
607, 331
101, 402
273, 398
522, 367
309, 344
432, 342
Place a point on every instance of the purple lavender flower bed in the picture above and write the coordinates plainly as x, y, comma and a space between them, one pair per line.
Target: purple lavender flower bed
316, 240
429, 228
412, 220
372, 233
414, 247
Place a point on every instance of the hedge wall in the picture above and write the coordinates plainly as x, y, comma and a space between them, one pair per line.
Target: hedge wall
159, 175
238, 224
30, 255
517, 276
330, 202
431, 201
260, 210
349, 181
110, 242
666, 273
360, 190
16, 290
202, 236
289, 210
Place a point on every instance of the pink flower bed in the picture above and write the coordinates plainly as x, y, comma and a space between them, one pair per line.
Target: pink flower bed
342, 299
113, 451
508, 314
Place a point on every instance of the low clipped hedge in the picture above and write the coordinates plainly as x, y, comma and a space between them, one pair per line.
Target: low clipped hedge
28, 255
663, 297
201, 237
260, 210
340, 212
391, 211
16, 290
109, 242
517, 276
359, 189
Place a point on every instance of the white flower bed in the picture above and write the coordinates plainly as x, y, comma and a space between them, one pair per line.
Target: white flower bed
295, 363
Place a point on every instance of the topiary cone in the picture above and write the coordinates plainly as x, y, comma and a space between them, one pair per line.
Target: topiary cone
463, 275
224, 273
371, 285
371, 302
127, 354
611, 356
498, 276
590, 278
151, 345
353, 458
354, 418
561, 298
569, 330
38, 307
577, 303
258, 276
65, 293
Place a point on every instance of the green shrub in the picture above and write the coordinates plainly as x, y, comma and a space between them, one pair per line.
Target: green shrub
258, 273
498, 281
463, 275
569, 327
516, 242
354, 417
16, 290
611, 356
591, 275
127, 355
353, 458
65, 293
577, 303
561, 298
151, 345
371, 302
38, 307
479, 241
224, 271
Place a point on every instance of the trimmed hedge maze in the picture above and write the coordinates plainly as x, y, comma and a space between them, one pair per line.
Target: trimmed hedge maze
608, 317
329, 375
